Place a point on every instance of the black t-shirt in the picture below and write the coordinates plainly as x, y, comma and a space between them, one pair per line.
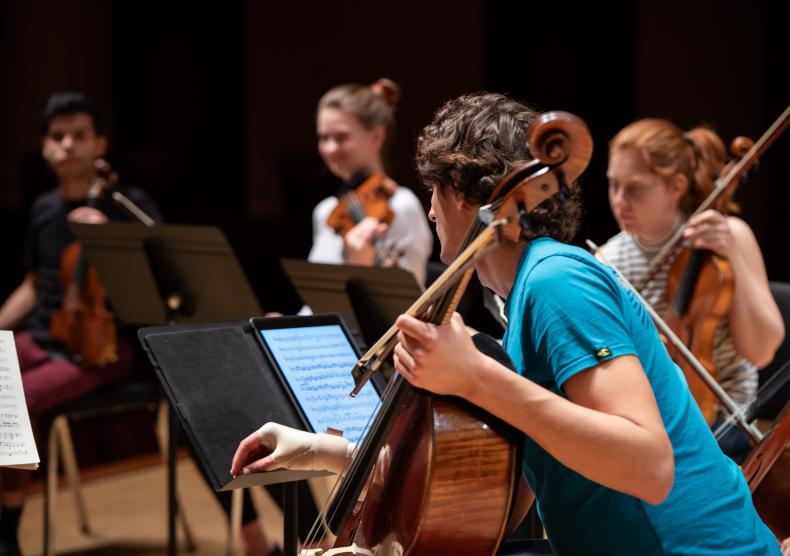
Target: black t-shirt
48, 235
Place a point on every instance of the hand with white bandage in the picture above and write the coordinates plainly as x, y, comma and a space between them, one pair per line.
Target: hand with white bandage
275, 446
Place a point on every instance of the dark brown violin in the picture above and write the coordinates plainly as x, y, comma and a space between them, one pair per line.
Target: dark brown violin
365, 195
440, 473
700, 289
83, 323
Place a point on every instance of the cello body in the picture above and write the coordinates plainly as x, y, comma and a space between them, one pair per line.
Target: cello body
443, 459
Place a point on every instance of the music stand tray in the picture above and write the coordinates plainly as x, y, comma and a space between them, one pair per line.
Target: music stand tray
370, 297
145, 268
222, 388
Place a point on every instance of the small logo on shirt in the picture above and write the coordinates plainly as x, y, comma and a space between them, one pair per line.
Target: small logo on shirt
603, 353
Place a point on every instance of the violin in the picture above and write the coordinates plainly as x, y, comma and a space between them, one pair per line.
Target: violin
83, 324
365, 195
700, 289
440, 472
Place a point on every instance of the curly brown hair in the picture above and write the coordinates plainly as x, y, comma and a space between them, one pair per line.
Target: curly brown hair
476, 140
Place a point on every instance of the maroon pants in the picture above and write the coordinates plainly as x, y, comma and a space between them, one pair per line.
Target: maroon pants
49, 381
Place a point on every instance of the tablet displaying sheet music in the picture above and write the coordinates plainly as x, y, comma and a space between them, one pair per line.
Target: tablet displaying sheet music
313, 357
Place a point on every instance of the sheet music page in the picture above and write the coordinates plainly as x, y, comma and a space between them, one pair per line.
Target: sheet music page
317, 361
17, 446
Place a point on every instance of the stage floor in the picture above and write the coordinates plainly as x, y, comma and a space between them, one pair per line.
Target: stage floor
127, 514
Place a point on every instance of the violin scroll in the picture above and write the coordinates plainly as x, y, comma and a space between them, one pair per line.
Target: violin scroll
740, 146
104, 180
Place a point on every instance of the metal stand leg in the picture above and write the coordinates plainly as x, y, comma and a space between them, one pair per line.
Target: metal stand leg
291, 518
163, 435
51, 491
172, 504
61, 426
234, 524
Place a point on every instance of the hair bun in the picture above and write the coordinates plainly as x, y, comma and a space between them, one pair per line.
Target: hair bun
388, 90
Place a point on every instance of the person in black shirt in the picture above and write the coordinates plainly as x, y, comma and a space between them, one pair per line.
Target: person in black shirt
72, 140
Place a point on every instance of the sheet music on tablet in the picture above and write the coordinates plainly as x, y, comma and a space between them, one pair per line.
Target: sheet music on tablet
17, 446
315, 361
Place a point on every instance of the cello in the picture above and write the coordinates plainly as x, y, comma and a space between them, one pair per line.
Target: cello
767, 470
424, 456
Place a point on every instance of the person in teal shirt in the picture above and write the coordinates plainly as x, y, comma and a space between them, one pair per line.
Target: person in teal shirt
617, 453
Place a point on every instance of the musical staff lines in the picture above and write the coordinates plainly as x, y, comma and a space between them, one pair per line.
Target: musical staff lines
316, 362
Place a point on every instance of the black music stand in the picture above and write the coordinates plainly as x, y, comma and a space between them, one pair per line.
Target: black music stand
370, 297
222, 388
168, 273
164, 274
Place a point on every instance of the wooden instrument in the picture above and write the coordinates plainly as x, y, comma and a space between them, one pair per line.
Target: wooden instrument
365, 195
83, 323
767, 470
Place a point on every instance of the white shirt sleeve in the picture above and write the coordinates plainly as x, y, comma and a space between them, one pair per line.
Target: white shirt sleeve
327, 245
409, 234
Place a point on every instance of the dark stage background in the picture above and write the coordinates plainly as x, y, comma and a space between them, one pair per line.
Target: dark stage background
211, 105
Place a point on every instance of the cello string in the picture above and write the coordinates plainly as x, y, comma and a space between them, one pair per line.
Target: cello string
322, 517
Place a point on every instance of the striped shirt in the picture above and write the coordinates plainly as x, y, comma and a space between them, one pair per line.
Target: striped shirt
631, 257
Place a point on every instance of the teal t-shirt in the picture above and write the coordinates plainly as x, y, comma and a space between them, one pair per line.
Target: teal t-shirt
567, 313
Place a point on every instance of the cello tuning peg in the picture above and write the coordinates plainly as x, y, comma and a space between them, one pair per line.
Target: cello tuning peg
523, 215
